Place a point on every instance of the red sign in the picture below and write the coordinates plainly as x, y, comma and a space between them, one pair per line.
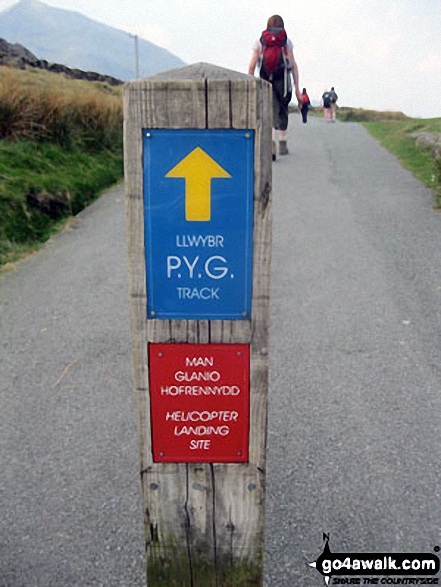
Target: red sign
200, 402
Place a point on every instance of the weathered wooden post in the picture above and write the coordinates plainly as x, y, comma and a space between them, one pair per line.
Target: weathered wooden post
198, 185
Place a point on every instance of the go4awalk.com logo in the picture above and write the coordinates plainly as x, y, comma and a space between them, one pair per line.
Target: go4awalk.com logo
377, 569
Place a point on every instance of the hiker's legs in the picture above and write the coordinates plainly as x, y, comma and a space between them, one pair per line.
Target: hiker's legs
275, 137
305, 113
283, 118
276, 119
280, 117
280, 105
333, 111
283, 143
276, 107
327, 114
279, 143
278, 134
283, 101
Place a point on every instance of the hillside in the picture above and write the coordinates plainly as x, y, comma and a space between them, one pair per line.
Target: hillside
63, 36
15, 55
60, 146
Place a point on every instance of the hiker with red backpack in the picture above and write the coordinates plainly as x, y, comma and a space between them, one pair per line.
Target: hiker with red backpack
306, 103
274, 54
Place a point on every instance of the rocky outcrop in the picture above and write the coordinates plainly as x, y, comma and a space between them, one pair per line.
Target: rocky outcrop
431, 140
16, 55
14, 51
53, 205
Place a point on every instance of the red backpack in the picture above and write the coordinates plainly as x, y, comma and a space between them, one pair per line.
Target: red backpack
273, 64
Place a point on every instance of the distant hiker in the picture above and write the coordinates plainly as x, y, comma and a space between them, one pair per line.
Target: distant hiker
274, 54
330, 105
305, 106
333, 99
326, 101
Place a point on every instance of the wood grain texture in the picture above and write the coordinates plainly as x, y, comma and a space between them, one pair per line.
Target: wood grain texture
204, 522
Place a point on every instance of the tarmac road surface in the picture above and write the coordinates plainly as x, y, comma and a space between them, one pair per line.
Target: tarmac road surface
355, 433
354, 425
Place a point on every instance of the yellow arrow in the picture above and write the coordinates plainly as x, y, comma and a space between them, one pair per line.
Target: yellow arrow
198, 169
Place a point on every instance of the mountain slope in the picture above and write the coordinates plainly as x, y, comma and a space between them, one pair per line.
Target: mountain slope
67, 37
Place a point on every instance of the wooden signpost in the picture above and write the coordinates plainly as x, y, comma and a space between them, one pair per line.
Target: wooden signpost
197, 146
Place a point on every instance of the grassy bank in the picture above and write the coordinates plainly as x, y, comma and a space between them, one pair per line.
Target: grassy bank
399, 134
361, 115
60, 146
400, 137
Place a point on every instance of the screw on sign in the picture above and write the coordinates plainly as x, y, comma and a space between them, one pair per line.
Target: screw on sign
198, 212
199, 398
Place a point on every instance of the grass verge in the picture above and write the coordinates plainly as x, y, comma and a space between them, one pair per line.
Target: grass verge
42, 184
399, 134
397, 137
60, 147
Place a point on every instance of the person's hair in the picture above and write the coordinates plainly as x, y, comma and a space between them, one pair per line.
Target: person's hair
276, 22
332, 89
304, 91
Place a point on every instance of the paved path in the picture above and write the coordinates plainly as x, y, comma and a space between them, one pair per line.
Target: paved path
355, 434
354, 430
70, 497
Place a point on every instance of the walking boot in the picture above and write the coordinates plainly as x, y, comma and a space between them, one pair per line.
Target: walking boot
274, 150
283, 148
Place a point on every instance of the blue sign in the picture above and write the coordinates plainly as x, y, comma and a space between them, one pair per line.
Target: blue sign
198, 212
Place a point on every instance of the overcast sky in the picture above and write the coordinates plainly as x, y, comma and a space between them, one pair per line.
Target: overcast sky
378, 54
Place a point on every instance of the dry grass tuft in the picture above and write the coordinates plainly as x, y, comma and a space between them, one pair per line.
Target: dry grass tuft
33, 107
